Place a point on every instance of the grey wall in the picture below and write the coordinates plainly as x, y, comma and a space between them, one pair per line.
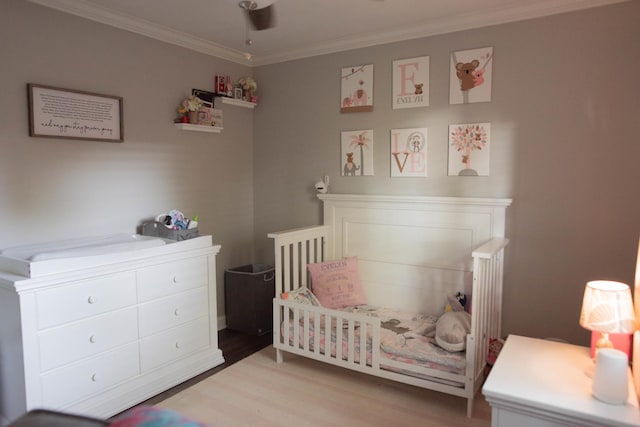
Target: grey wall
565, 147
55, 188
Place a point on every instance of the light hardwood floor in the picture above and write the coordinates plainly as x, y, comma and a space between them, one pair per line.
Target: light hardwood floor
256, 391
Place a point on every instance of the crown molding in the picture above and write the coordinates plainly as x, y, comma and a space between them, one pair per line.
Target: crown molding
437, 27
430, 28
145, 28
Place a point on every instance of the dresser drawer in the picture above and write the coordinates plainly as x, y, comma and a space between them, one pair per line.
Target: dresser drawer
165, 313
174, 343
69, 343
85, 298
81, 380
166, 279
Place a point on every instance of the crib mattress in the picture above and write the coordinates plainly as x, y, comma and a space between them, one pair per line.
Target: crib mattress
404, 337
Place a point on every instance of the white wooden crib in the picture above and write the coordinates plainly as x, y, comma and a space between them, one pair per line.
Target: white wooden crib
412, 252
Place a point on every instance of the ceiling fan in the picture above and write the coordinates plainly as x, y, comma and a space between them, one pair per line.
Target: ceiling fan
261, 18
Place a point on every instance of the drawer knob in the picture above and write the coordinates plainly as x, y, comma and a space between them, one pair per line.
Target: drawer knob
92, 339
176, 312
178, 345
91, 300
94, 378
175, 279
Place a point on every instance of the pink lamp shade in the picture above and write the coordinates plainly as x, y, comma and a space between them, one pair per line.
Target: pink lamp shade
607, 308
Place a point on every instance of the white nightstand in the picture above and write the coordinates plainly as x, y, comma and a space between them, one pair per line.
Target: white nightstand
543, 383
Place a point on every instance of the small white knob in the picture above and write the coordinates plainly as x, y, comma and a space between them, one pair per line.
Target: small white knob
94, 378
91, 300
92, 339
176, 312
178, 345
175, 279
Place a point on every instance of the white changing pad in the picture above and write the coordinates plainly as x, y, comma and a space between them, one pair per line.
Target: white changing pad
87, 246
42, 259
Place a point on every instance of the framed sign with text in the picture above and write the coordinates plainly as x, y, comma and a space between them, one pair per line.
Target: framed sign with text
74, 114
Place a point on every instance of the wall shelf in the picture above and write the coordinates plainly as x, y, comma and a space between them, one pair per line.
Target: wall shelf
198, 128
238, 102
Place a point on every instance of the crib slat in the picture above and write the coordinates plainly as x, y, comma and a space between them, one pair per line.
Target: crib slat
363, 343
295, 266
338, 340
296, 329
316, 333
286, 264
327, 337
279, 270
306, 330
351, 339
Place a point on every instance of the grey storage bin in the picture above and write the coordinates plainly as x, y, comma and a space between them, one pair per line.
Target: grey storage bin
248, 294
158, 229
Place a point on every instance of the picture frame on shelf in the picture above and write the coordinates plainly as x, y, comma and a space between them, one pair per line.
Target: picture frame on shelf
204, 116
216, 118
220, 84
206, 96
237, 93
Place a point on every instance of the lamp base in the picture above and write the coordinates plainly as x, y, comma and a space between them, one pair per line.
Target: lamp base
610, 379
620, 342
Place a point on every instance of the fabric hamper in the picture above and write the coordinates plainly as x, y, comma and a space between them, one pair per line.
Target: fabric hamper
249, 291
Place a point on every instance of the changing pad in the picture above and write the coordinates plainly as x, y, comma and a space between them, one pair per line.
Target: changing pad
68, 255
87, 246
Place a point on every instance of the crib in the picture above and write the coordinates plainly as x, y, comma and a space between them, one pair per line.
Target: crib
412, 252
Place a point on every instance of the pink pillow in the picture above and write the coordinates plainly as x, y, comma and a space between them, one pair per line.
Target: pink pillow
336, 283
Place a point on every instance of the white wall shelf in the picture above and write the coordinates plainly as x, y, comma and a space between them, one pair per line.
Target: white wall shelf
198, 128
238, 102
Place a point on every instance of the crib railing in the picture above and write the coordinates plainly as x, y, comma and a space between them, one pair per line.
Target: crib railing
486, 313
294, 249
340, 338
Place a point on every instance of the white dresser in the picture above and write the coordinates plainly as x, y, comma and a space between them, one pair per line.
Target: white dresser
540, 383
103, 333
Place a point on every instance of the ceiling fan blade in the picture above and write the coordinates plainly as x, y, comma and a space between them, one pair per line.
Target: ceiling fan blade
262, 19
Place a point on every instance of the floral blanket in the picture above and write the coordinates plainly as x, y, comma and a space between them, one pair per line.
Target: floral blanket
404, 337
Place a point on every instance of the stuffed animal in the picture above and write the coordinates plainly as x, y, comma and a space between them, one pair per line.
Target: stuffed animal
495, 345
457, 302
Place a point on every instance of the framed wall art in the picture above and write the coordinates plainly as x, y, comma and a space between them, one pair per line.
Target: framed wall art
411, 83
471, 72
356, 90
357, 152
73, 114
409, 152
469, 149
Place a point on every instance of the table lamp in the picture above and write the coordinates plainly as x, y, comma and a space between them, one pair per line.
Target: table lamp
607, 308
